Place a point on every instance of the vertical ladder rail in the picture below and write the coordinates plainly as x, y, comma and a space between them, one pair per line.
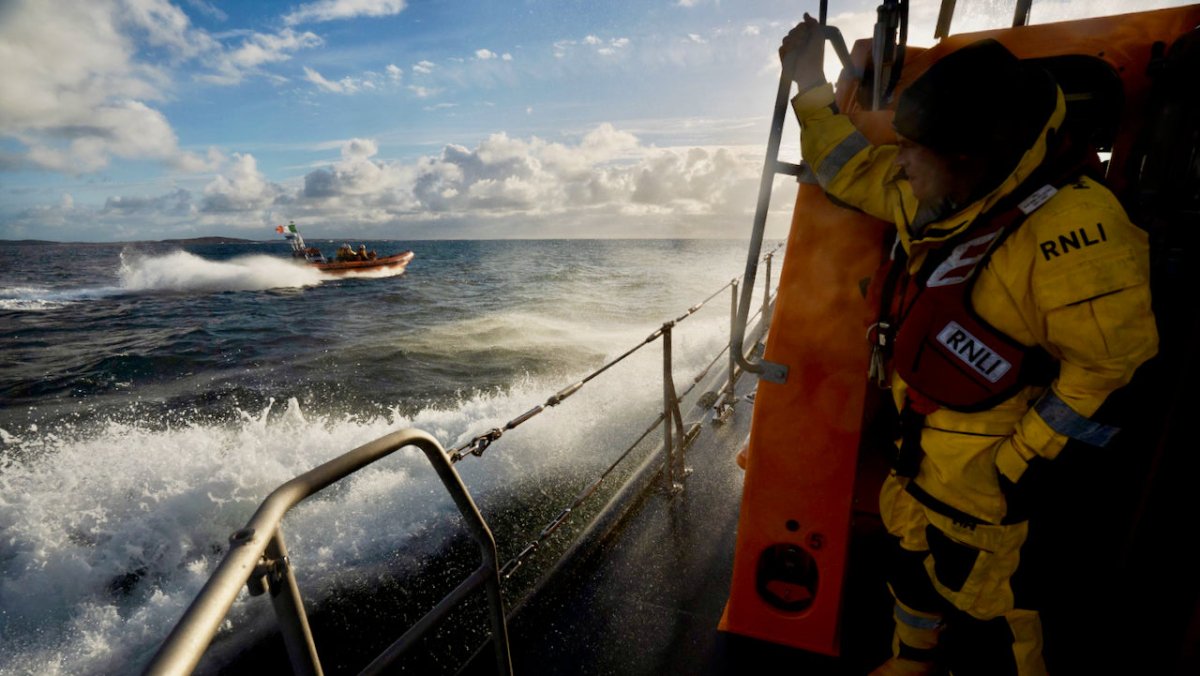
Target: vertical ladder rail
766, 305
776, 373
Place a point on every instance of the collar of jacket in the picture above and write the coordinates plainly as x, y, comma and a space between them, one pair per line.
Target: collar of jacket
941, 229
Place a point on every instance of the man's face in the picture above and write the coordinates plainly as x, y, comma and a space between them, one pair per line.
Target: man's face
934, 177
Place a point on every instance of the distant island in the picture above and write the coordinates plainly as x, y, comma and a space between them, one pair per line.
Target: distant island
189, 240
211, 240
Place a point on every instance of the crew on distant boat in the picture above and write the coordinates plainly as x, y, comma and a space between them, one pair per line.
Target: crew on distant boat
344, 255
347, 253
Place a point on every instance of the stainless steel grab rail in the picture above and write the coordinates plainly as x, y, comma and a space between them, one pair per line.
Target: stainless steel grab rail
257, 555
770, 371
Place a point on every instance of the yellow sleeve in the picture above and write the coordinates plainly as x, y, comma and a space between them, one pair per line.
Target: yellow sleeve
846, 165
1090, 283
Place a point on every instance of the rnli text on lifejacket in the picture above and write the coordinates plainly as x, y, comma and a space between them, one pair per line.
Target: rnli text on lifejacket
973, 352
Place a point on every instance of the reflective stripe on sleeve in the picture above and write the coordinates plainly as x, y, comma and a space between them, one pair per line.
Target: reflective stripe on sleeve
916, 621
1063, 419
839, 156
807, 175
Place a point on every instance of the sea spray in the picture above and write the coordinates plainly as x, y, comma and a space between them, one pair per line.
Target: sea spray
118, 502
114, 527
183, 271
114, 530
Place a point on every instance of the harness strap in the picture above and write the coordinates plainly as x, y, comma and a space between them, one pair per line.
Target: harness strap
908, 459
953, 513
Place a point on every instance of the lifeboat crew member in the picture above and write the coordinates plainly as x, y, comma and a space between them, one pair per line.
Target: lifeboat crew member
362, 252
1007, 252
345, 253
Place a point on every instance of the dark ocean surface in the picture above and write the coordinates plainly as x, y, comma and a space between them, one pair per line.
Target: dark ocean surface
151, 395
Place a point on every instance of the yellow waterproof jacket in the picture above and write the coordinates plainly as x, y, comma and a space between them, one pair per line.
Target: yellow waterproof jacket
1073, 279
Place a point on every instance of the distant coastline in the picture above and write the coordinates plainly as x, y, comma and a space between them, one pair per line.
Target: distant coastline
189, 240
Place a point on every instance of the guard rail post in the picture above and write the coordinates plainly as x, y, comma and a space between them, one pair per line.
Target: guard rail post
289, 609
670, 485
730, 394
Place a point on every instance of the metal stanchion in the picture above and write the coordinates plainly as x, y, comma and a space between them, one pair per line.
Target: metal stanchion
289, 609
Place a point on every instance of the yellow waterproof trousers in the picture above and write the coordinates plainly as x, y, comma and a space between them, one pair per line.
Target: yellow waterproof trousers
953, 591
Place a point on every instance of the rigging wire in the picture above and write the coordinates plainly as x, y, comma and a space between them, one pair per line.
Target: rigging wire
480, 443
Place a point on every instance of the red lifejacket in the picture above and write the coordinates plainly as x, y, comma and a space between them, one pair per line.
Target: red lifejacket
946, 353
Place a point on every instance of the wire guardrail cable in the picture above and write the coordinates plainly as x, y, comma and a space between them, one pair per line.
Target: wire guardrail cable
531, 547
480, 443
549, 529
512, 564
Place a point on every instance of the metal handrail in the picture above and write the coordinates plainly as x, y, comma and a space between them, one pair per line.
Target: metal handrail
776, 373
257, 551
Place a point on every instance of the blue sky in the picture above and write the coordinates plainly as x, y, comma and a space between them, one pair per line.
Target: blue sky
396, 119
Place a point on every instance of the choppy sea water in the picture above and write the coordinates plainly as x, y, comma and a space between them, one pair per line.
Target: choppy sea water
151, 395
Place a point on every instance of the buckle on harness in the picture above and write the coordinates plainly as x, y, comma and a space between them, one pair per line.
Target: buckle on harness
879, 336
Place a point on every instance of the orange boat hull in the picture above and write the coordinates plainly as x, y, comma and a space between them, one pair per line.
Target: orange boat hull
395, 263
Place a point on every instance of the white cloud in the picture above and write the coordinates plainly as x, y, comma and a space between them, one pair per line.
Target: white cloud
73, 93
242, 187
164, 25
78, 92
607, 169
257, 50
359, 147
593, 44
208, 9
263, 48
606, 182
368, 81
177, 203
332, 10
423, 67
319, 80
484, 54
421, 92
